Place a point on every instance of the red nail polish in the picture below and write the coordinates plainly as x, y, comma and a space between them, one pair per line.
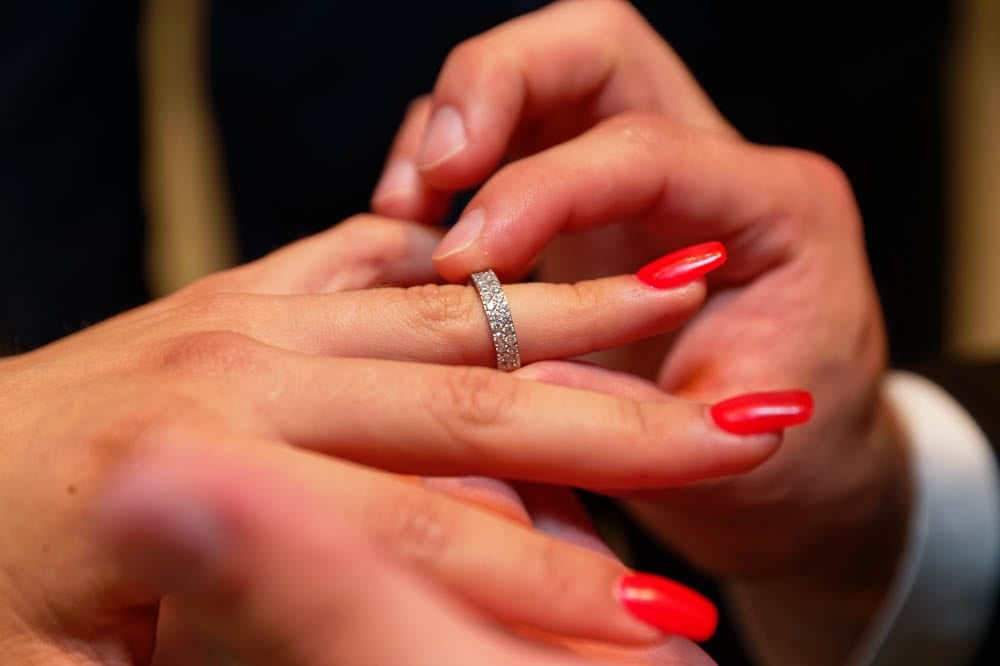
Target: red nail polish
758, 413
683, 266
668, 606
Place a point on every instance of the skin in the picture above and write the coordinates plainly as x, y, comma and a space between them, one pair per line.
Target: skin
598, 150
275, 576
293, 366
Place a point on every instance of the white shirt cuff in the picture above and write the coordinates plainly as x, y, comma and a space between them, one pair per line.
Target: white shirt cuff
940, 603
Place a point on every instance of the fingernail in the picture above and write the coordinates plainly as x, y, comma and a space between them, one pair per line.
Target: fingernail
399, 177
758, 413
445, 136
668, 606
461, 236
683, 266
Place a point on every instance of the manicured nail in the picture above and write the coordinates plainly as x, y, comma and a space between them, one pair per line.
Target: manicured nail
399, 177
668, 606
758, 413
683, 266
461, 236
445, 136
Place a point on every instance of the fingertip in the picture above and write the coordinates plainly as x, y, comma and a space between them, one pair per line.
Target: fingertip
739, 451
461, 238
421, 204
444, 138
399, 181
764, 412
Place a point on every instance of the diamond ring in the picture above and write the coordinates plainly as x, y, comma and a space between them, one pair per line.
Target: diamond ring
501, 322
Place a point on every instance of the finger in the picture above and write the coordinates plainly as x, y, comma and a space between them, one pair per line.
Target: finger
686, 186
590, 377
485, 492
550, 75
279, 578
448, 325
361, 252
557, 512
433, 420
401, 192
675, 651
510, 572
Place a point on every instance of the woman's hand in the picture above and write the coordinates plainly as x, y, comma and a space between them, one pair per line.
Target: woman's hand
618, 158
275, 575
246, 363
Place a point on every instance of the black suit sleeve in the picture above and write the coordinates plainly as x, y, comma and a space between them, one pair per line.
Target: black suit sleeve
71, 222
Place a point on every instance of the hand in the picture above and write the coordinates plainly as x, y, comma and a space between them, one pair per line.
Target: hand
245, 361
274, 576
822, 521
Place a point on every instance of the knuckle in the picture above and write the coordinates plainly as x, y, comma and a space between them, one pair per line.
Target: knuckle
470, 401
816, 182
415, 527
644, 422
136, 419
638, 129
824, 173
551, 565
486, 58
215, 353
582, 297
443, 310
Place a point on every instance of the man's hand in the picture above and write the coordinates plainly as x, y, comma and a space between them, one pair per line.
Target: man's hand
615, 158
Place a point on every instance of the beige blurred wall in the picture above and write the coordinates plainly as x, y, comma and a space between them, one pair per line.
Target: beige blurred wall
191, 233
975, 181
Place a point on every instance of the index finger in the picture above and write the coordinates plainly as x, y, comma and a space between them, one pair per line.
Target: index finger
686, 185
572, 62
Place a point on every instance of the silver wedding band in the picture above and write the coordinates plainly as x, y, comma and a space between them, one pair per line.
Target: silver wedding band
501, 322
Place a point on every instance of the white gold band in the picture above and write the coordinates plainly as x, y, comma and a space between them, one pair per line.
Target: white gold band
500, 320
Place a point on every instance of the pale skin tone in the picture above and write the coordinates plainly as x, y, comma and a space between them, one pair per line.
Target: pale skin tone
276, 577
291, 365
615, 156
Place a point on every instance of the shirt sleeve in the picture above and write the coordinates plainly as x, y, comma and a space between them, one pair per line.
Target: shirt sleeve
940, 604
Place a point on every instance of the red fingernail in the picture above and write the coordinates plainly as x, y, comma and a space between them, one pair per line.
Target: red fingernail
683, 266
668, 606
758, 413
